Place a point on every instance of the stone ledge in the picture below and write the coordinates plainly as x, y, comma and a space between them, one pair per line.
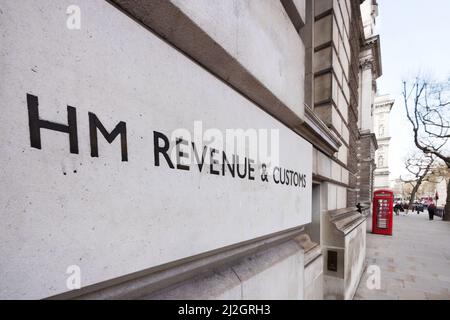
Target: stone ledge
146, 282
237, 280
312, 250
347, 219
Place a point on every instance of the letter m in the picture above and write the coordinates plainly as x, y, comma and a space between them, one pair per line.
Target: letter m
121, 128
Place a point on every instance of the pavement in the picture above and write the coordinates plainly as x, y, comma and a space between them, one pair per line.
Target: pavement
413, 264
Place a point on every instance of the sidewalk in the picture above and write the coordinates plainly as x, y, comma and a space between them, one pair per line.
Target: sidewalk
414, 262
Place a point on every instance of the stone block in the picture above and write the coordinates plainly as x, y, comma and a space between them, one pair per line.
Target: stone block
273, 275
323, 165
314, 280
261, 37
322, 59
323, 31
322, 88
321, 6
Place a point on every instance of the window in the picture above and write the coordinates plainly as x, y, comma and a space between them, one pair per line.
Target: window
381, 131
380, 161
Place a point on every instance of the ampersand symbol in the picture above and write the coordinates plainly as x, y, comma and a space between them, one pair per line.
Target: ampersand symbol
264, 176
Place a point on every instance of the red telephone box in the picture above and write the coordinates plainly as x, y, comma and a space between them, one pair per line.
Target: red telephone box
383, 204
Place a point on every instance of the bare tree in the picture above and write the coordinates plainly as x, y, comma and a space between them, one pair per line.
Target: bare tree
439, 175
427, 106
419, 167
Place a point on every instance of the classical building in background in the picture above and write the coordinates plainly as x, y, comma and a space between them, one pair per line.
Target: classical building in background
124, 217
382, 110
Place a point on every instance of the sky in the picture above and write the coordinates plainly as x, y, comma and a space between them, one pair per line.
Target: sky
415, 38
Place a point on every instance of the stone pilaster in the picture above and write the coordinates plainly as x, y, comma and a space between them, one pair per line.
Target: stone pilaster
367, 145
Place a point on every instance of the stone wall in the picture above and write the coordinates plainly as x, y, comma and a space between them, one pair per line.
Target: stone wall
159, 233
355, 259
355, 45
314, 280
366, 155
103, 204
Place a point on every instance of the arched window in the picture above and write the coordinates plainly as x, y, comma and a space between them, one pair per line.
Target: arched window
381, 131
380, 161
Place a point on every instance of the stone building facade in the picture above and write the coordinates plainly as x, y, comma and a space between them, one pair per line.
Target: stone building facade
370, 70
381, 127
347, 63
144, 224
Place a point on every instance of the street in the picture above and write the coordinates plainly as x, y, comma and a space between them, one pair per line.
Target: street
414, 263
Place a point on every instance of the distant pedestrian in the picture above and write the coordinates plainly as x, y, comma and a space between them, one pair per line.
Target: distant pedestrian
431, 210
397, 208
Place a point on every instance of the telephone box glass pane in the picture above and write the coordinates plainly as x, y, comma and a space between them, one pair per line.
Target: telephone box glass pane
382, 214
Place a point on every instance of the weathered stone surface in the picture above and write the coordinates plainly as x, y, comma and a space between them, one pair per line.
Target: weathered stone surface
274, 273
314, 280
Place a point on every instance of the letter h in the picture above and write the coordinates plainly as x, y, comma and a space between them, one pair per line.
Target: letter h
37, 124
